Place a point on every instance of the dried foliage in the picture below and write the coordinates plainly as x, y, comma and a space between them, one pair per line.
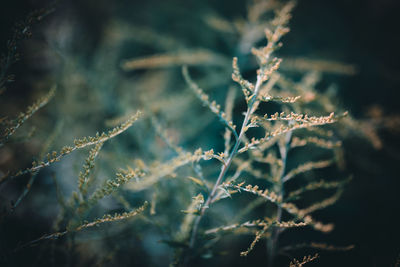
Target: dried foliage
251, 165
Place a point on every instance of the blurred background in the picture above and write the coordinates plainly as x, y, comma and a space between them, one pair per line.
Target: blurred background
83, 46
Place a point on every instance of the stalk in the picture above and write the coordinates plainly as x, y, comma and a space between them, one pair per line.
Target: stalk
226, 166
272, 243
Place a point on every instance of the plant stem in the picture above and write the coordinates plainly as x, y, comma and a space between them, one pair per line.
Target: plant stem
272, 243
227, 164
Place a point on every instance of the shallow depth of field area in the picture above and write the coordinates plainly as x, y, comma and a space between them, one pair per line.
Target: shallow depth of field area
199, 133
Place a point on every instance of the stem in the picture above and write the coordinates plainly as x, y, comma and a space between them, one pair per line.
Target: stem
273, 241
227, 164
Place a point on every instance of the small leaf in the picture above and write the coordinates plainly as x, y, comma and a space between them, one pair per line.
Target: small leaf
197, 181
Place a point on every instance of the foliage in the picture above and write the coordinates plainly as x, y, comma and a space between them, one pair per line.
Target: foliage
184, 184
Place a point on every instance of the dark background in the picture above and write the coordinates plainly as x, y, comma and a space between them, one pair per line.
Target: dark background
361, 32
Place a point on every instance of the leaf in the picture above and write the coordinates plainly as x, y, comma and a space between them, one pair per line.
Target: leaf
197, 181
